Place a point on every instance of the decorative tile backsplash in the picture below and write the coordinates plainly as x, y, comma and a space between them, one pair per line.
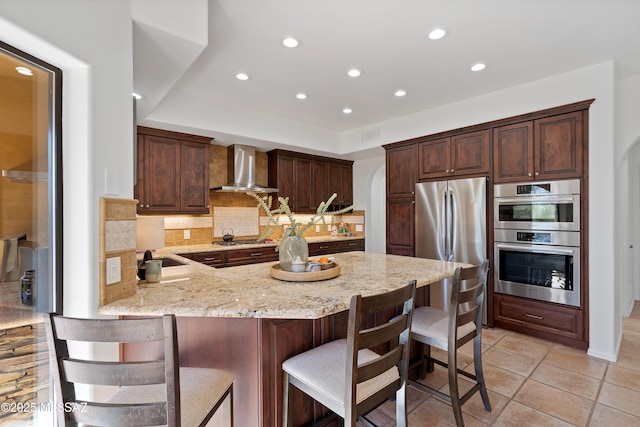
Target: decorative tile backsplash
243, 221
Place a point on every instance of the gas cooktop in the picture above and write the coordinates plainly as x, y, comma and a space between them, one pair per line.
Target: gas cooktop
241, 242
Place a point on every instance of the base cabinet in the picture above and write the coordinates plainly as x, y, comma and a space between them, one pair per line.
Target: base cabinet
550, 321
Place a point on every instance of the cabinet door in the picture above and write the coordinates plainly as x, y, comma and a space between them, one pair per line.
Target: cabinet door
400, 226
401, 171
470, 154
558, 142
281, 175
302, 199
434, 159
319, 187
161, 174
513, 152
334, 182
194, 161
345, 196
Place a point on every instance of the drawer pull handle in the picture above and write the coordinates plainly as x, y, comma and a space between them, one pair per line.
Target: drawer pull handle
257, 254
324, 247
210, 259
353, 244
533, 316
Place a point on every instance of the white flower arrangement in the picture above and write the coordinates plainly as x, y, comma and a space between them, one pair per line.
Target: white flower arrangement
297, 229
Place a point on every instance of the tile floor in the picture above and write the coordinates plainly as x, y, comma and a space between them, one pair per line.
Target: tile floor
533, 382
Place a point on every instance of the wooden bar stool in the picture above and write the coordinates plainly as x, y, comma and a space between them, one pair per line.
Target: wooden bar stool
153, 392
449, 331
346, 375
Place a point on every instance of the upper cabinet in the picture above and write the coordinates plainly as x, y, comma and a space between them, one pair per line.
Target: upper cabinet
172, 172
455, 156
401, 170
309, 180
546, 148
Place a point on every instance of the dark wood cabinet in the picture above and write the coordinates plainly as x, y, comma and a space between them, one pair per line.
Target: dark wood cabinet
172, 172
401, 226
546, 320
212, 259
455, 156
401, 182
309, 180
546, 148
401, 171
250, 256
335, 246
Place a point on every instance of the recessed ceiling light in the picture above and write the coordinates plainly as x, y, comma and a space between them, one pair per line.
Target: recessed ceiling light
301, 95
400, 92
137, 95
354, 72
24, 71
347, 110
242, 76
478, 67
290, 42
437, 33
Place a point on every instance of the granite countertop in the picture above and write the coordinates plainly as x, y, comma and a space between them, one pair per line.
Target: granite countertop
195, 290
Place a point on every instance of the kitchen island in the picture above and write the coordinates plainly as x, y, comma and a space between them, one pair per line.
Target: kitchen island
243, 320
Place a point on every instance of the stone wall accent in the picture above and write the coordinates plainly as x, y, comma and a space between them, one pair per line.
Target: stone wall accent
24, 370
118, 239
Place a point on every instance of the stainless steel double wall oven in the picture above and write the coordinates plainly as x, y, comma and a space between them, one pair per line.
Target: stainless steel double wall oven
537, 240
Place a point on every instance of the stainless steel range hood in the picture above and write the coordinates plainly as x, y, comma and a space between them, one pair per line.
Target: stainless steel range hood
26, 172
241, 173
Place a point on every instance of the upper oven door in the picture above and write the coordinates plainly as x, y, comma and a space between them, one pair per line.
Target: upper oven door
538, 212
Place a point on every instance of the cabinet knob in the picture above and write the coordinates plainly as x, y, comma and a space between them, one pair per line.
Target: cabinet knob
529, 174
447, 171
147, 206
452, 170
537, 173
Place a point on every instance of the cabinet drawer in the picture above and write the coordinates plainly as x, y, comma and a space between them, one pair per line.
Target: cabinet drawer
251, 256
550, 318
213, 259
322, 248
352, 245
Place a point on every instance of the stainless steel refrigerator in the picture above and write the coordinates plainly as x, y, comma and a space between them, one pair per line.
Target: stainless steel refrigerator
451, 225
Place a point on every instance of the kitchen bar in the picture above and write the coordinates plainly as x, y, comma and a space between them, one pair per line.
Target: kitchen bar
243, 320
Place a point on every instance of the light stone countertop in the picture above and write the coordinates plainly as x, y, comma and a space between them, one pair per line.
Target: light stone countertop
250, 291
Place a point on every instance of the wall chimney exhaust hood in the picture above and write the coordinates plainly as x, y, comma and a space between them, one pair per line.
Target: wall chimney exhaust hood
26, 172
241, 173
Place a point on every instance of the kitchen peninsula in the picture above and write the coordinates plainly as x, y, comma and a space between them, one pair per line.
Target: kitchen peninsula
243, 320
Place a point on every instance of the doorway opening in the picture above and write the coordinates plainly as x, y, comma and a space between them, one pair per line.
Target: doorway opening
30, 228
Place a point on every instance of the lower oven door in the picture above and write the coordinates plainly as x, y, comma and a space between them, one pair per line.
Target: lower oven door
540, 272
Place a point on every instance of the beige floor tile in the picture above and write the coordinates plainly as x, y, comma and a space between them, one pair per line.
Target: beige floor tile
379, 419
525, 346
620, 398
553, 401
564, 379
604, 416
631, 335
414, 398
501, 381
630, 345
516, 363
628, 360
631, 324
577, 363
623, 377
436, 379
475, 407
436, 413
518, 415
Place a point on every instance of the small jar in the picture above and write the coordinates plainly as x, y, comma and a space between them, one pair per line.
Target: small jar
297, 265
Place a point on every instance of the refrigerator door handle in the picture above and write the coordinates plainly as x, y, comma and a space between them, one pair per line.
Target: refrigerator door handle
450, 225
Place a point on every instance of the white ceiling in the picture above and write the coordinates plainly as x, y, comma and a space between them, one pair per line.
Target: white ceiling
187, 73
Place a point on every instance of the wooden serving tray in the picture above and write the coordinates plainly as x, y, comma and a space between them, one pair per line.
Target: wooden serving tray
304, 276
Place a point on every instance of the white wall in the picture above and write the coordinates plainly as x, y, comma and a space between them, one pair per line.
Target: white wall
90, 41
592, 82
369, 179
